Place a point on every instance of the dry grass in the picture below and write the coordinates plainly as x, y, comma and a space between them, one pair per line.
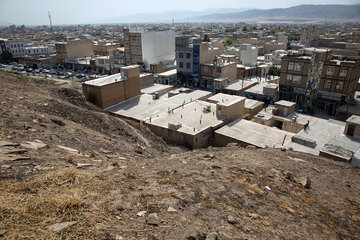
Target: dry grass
27, 208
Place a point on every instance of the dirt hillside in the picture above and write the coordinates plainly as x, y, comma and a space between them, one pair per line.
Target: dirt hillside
70, 171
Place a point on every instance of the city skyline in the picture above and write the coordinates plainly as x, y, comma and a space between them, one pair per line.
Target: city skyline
83, 12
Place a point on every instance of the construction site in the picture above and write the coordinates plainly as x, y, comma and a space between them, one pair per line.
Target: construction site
185, 164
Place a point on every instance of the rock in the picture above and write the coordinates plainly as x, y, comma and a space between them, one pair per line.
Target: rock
60, 226
118, 237
83, 165
304, 181
42, 125
139, 149
250, 147
71, 150
268, 188
231, 219
109, 168
58, 122
229, 145
283, 149
6, 166
209, 156
33, 145
141, 213
26, 126
153, 219
289, 175
2, 232
212, 236
8, 144
171, 209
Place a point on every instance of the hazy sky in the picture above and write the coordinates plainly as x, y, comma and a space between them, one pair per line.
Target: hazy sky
35, 12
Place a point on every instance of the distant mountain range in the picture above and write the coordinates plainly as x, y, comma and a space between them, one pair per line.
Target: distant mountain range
297, 14
167, 17
301, 13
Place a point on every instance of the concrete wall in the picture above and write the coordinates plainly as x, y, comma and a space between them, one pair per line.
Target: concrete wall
79, 48
356, 131
222, 141
105, 96
146, 80
248, 54
231, 112
132, 84
281, 108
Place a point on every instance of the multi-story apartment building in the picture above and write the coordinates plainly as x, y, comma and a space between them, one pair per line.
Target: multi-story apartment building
74, 49
309, 34
15, 47
102, 48
117, 59
190, 53
215, 72
149, 47
319, 76
38, 50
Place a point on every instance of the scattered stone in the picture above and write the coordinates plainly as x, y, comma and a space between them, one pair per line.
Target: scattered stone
141, 213
209, 156
283, 149
268, 188
6, 166
171, 209
109, 168
33, 145
140, 149
153, 219
71, 150
212, 236
229, 145
58, 122
73, 162
11, 150
8, 144
60, 226
304, 181
39, 168
117, 237
64, 182
42, 125
26, 126
250, 147
289, 175
231, 219
83, 165
2, 232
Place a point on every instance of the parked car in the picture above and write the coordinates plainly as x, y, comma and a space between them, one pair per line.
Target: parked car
81, 75
36, 71
29, 69
45, 71
2, 66
52, 72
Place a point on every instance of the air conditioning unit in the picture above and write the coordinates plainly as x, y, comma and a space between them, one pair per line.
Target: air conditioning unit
207, 109
174, 125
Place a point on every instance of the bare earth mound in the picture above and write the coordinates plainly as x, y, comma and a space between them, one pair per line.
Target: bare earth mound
116, 180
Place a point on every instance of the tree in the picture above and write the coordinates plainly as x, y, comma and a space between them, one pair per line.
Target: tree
227, 42
206, 38
274, 71
244, 29
6, 57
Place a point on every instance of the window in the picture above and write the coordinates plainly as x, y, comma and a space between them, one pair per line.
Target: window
181, 64
218, 70
188, 55
288, 78
298, 67
296, 80
206, 69
340, 86
343, 72
330, 71
181, 55
188, 65
327, 84
291, 66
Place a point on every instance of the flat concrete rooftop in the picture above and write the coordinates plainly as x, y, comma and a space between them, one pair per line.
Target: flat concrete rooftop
155, 87
143, 106
99, 82
226, 99
168, 73
191, 116
255, 134
251, 103
323, 132
259, 88
285, 103
238, 85
354, 119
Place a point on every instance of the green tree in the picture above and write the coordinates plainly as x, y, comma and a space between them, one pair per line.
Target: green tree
206, 38
244, 29
6, 57
228, 42
274, 71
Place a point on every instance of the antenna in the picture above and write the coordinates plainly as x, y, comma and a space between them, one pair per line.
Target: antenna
50, 22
